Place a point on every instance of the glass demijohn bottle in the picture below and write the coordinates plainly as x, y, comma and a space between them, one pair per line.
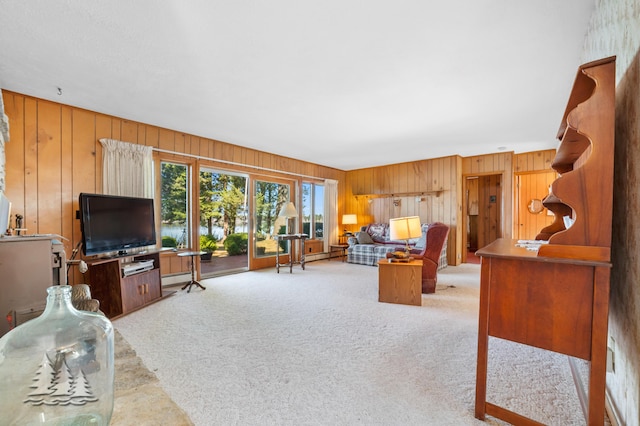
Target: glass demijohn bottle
57, 369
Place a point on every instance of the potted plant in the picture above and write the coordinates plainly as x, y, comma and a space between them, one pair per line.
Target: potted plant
208, 246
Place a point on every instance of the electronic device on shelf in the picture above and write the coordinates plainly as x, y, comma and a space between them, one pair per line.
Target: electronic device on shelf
112, 223
133, 268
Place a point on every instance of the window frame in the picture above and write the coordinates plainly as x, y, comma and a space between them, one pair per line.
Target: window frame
187, 232
312, 208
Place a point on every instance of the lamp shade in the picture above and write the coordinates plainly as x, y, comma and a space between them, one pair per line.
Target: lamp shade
405, 228
349, 219
288, 210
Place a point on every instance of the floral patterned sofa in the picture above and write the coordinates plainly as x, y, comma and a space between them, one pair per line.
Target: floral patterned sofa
372, 243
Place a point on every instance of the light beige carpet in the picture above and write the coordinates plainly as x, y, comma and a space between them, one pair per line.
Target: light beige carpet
317, 348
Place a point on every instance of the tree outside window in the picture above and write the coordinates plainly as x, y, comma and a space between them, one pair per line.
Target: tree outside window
223, 210
174, 205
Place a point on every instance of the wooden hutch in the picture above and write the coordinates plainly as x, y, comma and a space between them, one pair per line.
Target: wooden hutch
553, 293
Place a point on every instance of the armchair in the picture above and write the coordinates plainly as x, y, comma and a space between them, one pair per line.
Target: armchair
436, 236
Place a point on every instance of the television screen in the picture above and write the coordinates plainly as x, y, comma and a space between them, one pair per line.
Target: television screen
114, 223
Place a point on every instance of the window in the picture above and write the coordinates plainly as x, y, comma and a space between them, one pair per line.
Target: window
174, 205
313, 210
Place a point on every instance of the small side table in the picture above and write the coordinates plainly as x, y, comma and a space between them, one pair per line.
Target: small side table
192, 255
400, 282
338, 247
290, 238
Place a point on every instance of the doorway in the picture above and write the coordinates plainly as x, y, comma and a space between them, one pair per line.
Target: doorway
224, 222
269, 196
483, 221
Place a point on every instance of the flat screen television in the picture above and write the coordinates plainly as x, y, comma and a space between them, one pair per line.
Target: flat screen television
111, 223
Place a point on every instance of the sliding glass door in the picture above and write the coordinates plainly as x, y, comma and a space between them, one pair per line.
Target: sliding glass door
270, 197
224, 222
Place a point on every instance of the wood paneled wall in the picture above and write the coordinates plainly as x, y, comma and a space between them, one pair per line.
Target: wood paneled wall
536, 161
430, 189
379, 193
533, 175
54, 154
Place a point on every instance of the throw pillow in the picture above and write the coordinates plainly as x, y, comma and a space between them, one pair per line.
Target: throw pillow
378, 232
364, 238
422, 241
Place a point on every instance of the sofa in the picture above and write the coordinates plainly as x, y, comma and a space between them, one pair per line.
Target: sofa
372, 243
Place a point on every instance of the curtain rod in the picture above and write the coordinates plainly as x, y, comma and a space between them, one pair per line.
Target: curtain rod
233, 163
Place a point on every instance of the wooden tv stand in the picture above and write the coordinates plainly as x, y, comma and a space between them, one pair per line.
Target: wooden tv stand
557, 297
120, 295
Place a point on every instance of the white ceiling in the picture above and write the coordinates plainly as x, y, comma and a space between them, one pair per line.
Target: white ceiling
342, 83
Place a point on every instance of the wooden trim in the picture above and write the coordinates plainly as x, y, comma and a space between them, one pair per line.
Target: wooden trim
437, 193
236, 164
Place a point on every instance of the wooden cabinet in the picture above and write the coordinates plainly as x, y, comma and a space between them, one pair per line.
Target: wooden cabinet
554, 294
400, 282
172, 264
314, 246
139, 290
119, 294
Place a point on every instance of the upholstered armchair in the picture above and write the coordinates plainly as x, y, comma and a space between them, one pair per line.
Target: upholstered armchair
436, 236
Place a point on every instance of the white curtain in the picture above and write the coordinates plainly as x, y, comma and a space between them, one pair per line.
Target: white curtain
127, 169
330, 212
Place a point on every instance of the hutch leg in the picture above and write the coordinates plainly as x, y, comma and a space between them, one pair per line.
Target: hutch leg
483, 340
597, 373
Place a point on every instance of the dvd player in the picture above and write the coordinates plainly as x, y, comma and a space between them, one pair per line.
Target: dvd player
136, 267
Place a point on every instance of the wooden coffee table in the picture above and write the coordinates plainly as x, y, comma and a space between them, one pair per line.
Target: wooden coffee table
400, 282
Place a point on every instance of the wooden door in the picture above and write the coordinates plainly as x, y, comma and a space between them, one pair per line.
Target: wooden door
489, 209
472, 212
531, 215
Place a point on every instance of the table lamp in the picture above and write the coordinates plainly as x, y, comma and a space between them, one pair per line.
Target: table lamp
405, 228
289, 211
349, 219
